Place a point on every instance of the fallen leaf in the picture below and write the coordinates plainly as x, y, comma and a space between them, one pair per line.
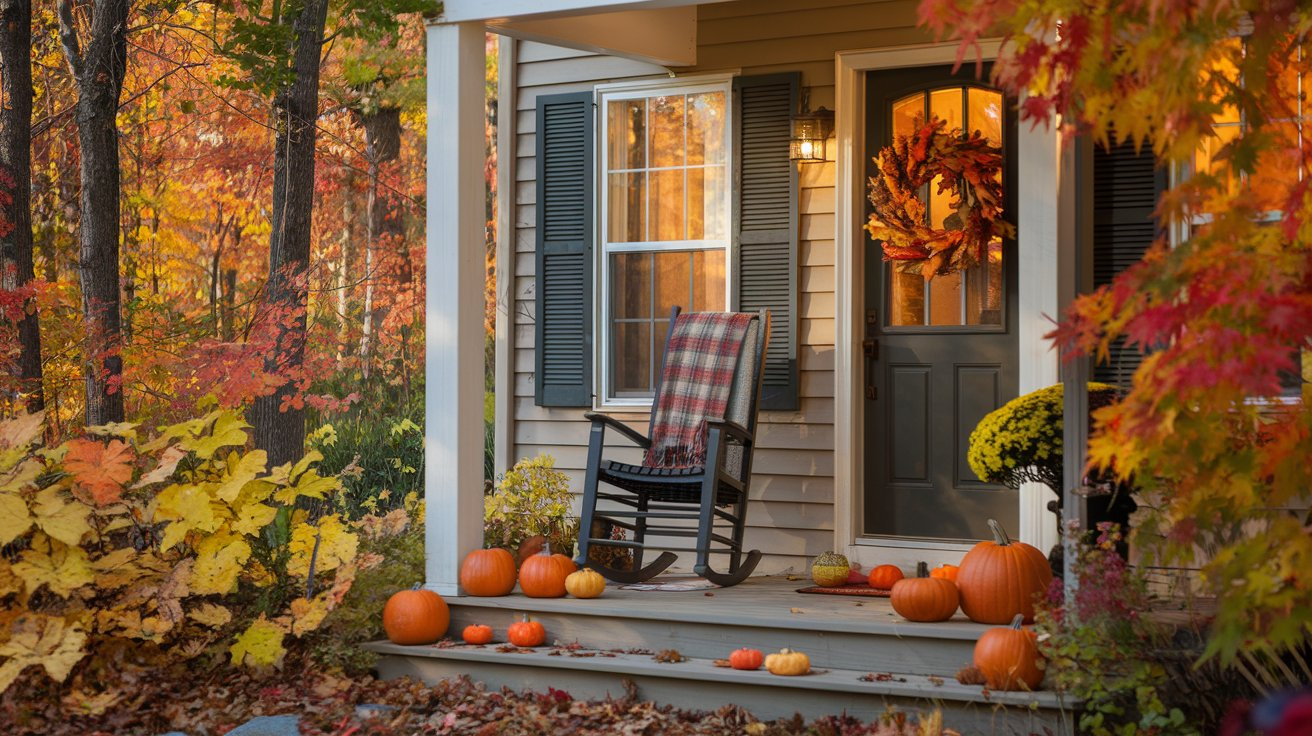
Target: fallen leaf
796, 610
100, 471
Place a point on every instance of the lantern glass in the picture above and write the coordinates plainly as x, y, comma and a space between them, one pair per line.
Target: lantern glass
809, 132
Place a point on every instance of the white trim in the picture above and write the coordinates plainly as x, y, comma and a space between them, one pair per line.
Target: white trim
503, 413
458, 11
849, 269
454, 277
641, 90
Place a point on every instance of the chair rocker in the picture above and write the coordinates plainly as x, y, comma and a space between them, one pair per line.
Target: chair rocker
697, 463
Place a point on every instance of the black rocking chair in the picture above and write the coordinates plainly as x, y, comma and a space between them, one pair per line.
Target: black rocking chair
706, 481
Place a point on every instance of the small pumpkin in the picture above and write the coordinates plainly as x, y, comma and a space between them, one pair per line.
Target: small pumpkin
746, 659
945, 572
415, 617
829, 569
788, 663
999, 579
477, 634
1009, 657
526, 633
924, 598
543, 575
488, 572
884, 576
585, 583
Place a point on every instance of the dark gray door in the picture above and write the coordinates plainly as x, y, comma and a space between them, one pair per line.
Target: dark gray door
939, 354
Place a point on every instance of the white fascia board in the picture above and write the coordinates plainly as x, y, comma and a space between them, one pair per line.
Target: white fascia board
661, 36
499, 11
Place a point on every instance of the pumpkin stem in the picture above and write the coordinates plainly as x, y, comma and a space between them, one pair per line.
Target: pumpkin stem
999, 534
922, 569
1016, 622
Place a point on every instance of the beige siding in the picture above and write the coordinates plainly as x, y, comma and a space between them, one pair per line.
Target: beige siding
791, 517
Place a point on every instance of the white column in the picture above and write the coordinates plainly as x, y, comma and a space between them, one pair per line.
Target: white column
453, 353
1042, 185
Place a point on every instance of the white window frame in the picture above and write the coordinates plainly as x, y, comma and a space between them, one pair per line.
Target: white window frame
603, 94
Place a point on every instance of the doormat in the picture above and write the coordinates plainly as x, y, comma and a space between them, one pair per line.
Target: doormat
861, 589
672, 584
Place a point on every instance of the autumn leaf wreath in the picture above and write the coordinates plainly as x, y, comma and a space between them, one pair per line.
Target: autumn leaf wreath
969, 170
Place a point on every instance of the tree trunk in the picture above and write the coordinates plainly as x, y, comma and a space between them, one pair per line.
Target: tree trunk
282, 433
382, 139
99, 68
16, 263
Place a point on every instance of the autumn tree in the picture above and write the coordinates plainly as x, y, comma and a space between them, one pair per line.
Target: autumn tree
1224, 312
16, 263
98, 62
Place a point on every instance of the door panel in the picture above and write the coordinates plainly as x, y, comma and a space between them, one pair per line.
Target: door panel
939, 354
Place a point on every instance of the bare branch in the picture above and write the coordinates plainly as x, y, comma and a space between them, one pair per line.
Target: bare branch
68, 37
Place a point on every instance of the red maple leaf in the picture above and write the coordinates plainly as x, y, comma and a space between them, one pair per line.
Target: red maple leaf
99, 471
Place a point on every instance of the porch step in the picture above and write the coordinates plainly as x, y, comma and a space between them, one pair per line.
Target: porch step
836, 632
697, 684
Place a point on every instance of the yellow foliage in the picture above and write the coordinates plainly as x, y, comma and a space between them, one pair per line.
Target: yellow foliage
260, 645
336, 546
41, 640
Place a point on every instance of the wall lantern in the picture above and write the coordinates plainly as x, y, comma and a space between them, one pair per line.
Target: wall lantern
810, 130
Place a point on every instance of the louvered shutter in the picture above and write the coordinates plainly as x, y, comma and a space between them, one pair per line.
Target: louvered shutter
1126, 185
563, 354
765, 224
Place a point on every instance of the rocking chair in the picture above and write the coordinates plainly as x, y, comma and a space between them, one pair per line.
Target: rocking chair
697, 464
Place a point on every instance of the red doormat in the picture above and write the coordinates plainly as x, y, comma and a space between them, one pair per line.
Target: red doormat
861, 589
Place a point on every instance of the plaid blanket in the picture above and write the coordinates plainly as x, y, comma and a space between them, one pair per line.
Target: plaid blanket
699, 368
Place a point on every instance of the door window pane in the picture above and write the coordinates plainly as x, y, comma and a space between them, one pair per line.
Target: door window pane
908, 114
907, 298
985, 113
945, 299
945, 104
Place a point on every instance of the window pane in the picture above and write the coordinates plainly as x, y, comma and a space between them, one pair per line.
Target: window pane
1277, 168
666, 205
706, 211
665, 140
984, 289
708, 281
673, 282
627, 221
985, 114
630, 279
1205, 160
706, 128
626, 127
908, 115
907, 298
940, 204
945, 104
631, 358
945, 299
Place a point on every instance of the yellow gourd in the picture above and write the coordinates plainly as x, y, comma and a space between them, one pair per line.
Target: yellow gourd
585, 583
788, 663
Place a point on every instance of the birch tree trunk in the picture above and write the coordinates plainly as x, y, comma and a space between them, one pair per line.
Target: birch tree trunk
382, 136
16, 263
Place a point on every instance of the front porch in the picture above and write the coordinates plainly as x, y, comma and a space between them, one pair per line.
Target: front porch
866, 659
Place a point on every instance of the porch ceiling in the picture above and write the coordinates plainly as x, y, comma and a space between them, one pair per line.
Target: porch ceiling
662, 32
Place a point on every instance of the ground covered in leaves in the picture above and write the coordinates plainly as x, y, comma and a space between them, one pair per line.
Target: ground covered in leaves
209, 703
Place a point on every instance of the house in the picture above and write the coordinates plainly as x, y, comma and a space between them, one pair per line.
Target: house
645, 162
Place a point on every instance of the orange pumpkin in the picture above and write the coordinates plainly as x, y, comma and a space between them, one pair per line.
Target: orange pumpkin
999, 579
415, 617
543, 576
923, 598
477, 634
746, 659
526, 633
945, 572
884, 576
488, 572
565, 562
1009, 657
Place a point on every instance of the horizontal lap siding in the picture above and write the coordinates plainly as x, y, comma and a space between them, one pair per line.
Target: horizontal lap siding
791, 517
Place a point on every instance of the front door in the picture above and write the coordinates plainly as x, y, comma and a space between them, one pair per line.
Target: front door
939, 354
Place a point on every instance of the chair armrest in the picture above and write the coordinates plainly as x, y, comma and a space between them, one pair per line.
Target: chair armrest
733, 429
615, 424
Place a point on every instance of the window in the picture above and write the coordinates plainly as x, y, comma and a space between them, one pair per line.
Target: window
664, 225
968, 297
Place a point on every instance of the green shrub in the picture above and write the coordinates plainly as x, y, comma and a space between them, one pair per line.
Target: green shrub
380, 461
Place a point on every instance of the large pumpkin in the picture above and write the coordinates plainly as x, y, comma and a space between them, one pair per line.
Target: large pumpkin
415, 617
923, 598
543, 575
488, 572
830, 569
999, 579
1009, 658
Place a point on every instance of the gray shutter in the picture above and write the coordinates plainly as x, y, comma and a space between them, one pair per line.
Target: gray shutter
563, 354
765, 224
1126, 185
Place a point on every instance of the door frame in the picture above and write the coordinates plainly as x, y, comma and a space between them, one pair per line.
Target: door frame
1045, 274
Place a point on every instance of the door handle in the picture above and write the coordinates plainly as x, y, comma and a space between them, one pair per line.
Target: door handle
870, 347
